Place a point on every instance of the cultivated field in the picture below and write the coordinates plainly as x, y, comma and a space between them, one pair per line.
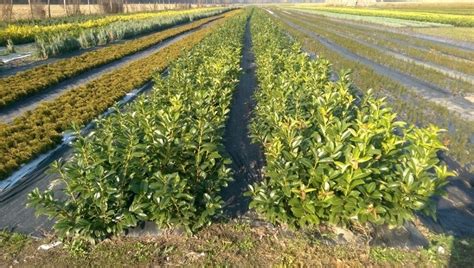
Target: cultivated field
284, 135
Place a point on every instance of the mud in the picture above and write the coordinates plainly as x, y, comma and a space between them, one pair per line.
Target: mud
247, 158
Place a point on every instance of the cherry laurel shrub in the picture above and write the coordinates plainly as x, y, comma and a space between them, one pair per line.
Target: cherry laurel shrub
333, 156
159, 160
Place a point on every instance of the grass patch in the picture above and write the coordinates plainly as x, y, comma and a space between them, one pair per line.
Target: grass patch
223, 244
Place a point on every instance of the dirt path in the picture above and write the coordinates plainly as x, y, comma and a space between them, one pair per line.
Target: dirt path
28, 103
430, 92
247, 158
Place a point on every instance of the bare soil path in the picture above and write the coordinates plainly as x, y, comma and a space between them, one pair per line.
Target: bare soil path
247, 158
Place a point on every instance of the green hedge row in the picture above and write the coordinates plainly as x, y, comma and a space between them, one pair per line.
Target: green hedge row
331, 155
64, 41
159, 160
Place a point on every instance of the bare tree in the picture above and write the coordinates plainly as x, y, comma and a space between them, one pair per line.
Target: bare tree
49, 9
31, 8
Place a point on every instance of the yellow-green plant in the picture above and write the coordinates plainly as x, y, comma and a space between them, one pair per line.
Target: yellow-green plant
22, 84
20, 33
452, 19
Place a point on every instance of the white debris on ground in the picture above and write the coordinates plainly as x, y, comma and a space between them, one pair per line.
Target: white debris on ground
14, 57
49, 246
470, 98
441, 250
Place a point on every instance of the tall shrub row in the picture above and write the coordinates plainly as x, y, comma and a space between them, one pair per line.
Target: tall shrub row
159, 160
50, 44
332, 155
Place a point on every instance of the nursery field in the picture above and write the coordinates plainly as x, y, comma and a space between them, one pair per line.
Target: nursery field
290, 135
65, 34
426, 78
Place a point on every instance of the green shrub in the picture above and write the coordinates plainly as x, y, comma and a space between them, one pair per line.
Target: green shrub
331, 155
159, 160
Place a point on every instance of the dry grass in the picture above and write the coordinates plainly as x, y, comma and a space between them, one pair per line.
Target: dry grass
225, 244
23, 11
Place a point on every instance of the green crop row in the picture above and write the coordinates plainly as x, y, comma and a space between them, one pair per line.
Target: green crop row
387, 33
409, 106
452, 19
22, 84
159, 160
41, 129
436, 77
64, 41
386, 40
331, 155
19, 33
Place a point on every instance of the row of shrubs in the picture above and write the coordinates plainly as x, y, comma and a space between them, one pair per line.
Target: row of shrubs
40, 129
332, 155
408, 104
23, 33
25, 83
63, 41
161, 158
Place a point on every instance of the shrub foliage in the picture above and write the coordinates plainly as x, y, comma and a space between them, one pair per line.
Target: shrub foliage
159, 160
332, 155
23, 84
41, 129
